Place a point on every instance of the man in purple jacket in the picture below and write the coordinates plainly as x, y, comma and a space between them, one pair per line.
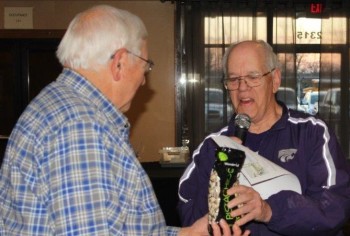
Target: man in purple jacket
298, 142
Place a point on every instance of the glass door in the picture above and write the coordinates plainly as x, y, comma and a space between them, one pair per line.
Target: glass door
316, 69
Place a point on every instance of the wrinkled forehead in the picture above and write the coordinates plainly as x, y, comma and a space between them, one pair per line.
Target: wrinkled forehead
246, 58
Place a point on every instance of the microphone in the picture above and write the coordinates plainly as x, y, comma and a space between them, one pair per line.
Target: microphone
242, 124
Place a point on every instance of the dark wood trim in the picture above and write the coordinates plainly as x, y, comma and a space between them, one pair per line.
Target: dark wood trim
30, 34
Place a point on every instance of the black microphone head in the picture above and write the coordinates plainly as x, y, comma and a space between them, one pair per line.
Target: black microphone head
242, 124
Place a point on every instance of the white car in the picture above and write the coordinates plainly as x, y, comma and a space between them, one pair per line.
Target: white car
311, 100
288, 96
215, 108
330, 106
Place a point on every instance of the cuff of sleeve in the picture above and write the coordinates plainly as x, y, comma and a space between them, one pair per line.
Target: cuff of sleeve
279, 204
275, 209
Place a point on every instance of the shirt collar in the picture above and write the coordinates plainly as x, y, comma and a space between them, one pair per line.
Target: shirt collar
94, 96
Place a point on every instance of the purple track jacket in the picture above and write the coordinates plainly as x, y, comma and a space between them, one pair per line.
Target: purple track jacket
303, 145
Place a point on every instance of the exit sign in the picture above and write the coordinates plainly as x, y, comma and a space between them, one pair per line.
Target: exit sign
316, 8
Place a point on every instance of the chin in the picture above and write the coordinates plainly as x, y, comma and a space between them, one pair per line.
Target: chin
241, 110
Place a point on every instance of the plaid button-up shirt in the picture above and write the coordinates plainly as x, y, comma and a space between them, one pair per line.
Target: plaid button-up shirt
69, 169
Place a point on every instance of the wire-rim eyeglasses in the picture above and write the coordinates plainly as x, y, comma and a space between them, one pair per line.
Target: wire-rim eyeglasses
252, 80
149, 62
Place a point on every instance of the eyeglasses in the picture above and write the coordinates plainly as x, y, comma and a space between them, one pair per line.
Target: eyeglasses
252, 80
149, 62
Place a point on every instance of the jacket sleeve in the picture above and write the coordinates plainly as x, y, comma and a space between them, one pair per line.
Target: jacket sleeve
324, 205
193, 185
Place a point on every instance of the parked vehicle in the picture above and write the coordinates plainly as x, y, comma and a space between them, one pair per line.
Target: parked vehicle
329, 108
311, 101
215, 106
288, 96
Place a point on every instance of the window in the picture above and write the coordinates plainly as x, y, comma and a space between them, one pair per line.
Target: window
314, 53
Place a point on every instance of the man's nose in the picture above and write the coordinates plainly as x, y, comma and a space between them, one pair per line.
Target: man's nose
242, 85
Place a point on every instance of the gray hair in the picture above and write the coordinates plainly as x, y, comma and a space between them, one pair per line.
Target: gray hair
94, 35
271, 60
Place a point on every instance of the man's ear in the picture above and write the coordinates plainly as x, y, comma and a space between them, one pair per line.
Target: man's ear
276, 80
118, 61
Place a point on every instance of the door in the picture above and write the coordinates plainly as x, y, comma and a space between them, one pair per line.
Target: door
26, 66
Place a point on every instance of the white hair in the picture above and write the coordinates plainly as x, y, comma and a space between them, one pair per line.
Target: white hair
271, 60
94, 35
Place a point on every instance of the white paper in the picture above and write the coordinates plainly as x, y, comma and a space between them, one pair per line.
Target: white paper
264, 176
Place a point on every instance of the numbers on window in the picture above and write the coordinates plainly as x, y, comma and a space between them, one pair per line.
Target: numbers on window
309, 35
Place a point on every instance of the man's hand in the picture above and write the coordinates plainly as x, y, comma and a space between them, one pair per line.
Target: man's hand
251, 205
237, 140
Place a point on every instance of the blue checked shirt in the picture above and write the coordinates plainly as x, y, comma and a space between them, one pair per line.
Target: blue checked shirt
69, 169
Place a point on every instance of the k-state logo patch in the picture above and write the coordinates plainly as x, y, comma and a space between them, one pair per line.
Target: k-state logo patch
286, 154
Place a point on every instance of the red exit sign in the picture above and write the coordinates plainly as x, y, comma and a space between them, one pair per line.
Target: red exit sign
316, 8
